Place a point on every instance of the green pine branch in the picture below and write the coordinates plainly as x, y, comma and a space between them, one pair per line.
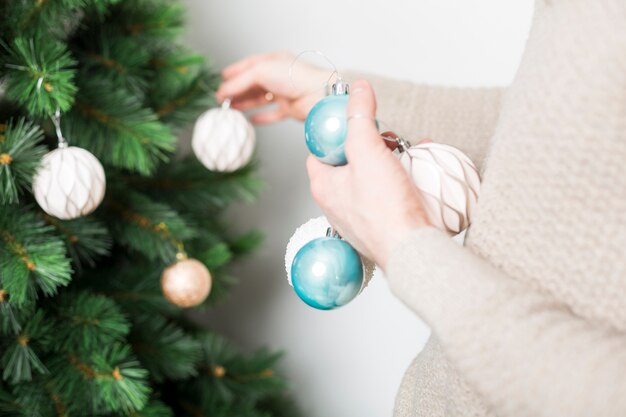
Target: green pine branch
233, 374
19, 360
87, 321
149, 227
109, 379
121, 61
30, 400
152, 20
39, 75
9, 323
111, 344
279, 405
190, 187
99, 8
113, 125
180, 103
20, 153
153, 409
134, 285
246, 243
121, 380
173, 64
229, 383
216, 257
9, 406
164, 348
42, 17
212, 405
86, 239
32, 257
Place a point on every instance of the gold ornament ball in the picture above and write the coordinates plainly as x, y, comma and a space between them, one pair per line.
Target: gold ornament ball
186, 283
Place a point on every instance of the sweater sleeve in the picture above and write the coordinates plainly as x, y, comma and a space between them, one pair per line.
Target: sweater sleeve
525, 353
461, 117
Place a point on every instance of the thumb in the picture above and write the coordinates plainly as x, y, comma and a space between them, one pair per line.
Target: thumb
362, 131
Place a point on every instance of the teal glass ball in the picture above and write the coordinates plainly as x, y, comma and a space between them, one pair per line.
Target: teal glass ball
326, 128
327, 273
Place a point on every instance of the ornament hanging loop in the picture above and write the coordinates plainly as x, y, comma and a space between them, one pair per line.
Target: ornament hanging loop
56, 121
326, 84
226, 104
396, 142
181, 255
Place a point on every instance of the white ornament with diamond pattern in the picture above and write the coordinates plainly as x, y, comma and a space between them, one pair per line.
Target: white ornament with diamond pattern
69, 183
448, 181
223, 139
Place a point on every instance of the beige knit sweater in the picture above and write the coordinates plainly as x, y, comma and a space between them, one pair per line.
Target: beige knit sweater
529, 318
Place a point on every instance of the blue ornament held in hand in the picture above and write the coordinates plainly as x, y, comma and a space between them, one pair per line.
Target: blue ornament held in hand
327, 272
318, 256
326, 126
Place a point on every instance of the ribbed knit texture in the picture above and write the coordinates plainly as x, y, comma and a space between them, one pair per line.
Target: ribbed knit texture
529, 318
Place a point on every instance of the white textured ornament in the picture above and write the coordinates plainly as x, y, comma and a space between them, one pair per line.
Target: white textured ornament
448, 181
186, 283
223, 139
69, 183
314, 229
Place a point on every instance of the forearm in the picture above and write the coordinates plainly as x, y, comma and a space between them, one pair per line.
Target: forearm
461, 117
526, 353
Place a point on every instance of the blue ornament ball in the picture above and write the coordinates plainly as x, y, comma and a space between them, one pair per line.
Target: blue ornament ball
326, 127
327, 273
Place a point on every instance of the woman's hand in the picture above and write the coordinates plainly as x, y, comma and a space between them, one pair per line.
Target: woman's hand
371, 201
258, 80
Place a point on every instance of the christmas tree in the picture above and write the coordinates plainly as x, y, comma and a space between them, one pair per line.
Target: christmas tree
85, 326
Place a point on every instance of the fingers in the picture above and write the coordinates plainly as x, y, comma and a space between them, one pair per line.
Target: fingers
250, 103
256, 97
319, 173
242, 65
315, 167
237, 85
249, 72
274, 115
362, 131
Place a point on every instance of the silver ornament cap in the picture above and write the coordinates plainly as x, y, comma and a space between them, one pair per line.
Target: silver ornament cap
340, 87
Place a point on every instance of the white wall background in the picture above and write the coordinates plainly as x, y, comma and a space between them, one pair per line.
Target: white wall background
347, 362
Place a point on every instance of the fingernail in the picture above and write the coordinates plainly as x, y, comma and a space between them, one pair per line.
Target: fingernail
357, 90
360, 85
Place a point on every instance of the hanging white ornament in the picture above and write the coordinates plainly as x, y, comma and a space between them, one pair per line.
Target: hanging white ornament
313, 229
447, 179
223, 139
70, 181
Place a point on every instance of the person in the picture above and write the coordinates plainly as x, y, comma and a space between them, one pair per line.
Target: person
529, 317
